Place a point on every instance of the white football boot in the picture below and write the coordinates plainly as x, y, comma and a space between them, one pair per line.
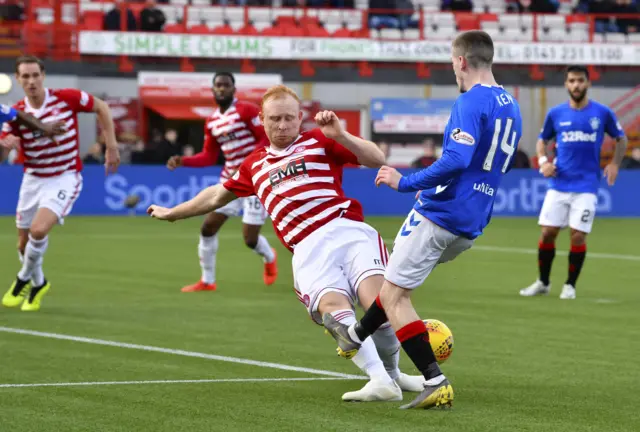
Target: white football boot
568, 292
410, 383
375, 390
535, 289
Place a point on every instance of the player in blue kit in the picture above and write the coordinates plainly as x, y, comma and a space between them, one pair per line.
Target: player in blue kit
578, 127
455, 205
9, 114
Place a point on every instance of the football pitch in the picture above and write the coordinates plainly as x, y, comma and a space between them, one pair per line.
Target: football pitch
117, 346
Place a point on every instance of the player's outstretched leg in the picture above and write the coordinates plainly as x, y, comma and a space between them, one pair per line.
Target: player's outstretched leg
385, 339
260, 245
207, 250
381, 386
577, 255
546, 254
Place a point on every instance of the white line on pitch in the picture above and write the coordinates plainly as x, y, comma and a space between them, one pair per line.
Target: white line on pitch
178, 352
194, 381
230, 235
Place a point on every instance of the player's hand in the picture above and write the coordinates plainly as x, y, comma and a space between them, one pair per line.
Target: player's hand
548, 169
389, 176
174, 162
329, 124
111, 159
10, 142
55, 128
611, 173
161, 213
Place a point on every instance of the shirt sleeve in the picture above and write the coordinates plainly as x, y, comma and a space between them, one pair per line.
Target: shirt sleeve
7, 113
459, 147
78, 100
612, 126
547, 132
240, 183
339, 153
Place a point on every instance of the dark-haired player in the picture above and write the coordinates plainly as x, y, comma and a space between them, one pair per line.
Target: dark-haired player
235, 129
578, 127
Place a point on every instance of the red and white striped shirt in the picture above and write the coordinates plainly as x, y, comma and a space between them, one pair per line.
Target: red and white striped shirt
300, 186
43, 157
237, 132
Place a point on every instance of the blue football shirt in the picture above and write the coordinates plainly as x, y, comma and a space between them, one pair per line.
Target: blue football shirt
579, 135
480, 141
7, 114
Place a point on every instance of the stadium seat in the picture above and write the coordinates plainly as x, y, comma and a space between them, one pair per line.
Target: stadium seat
411, 34
235, 17
390, 33
260, 17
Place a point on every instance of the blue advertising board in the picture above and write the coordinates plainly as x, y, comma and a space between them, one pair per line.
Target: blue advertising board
521, 192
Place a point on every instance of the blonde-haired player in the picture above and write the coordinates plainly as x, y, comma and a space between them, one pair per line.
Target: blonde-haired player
338, 260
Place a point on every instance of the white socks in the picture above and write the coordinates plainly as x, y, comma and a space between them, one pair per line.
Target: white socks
367, 358
207, 249
388, 347
32, 261
263, 248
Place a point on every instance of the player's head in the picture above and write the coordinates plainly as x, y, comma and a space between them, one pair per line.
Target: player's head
30, 74
281, 115
471, 51
224, 88
576, 80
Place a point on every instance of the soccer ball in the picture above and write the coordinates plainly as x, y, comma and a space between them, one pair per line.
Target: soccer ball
441, 339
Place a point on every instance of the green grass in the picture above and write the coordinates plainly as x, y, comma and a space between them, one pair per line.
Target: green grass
537, 364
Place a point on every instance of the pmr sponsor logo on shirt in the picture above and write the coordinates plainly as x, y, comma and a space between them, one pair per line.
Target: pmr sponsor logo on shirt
484, 188
462, 137
293, 170
578, 136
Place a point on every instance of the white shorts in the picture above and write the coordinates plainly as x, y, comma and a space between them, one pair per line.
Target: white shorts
567, 208
253, 212
336, 258
419, 246
58, 194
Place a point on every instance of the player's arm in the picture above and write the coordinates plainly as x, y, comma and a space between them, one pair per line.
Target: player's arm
208, 200
614, 129
90, 103
547, 134
620, 149
367, 152
461, 145
48, 129
211, 198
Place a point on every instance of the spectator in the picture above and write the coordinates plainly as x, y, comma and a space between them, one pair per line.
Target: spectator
13, 11
152, 19
632, 162
428, 157
167, 147
457, 5
112, 19
535, 6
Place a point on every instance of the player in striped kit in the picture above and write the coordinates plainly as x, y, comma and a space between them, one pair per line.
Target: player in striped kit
338, 260
52, 181
234, 128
